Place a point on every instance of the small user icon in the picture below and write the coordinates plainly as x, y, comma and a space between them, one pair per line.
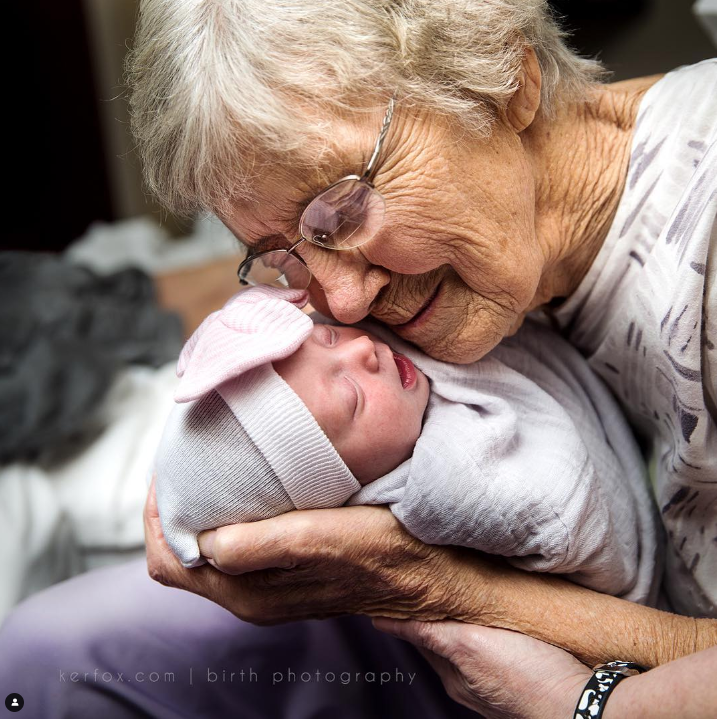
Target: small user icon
14, 702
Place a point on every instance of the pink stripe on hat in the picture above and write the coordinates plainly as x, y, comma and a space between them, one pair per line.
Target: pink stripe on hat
256, 326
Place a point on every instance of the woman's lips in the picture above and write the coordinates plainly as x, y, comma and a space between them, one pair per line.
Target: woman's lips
406, 370
423, 312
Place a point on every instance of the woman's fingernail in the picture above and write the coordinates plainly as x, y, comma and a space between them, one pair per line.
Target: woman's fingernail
206, 543
383, 624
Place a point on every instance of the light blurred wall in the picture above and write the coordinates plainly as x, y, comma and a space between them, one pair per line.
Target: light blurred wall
110, 28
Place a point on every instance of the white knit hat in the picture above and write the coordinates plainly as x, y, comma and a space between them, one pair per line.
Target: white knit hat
242, 446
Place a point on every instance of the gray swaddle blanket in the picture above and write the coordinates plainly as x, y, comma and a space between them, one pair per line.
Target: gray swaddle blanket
66, 333
525, 454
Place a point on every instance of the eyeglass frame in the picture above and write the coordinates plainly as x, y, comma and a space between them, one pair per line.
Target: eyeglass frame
367, 176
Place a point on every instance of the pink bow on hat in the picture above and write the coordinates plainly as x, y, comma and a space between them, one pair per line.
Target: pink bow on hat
256, 326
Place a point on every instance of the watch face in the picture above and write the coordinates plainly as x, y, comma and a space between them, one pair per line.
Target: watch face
627, 669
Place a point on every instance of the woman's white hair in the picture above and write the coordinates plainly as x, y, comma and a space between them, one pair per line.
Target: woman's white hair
219, 88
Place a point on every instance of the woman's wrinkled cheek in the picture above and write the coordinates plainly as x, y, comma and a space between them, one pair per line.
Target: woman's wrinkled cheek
409, 244
504, 285
425, 210
466, 327
405, 294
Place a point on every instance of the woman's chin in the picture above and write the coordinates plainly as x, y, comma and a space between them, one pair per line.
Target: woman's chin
517, 324
456, 348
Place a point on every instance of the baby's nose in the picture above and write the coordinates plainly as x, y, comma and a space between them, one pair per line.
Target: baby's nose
362, 351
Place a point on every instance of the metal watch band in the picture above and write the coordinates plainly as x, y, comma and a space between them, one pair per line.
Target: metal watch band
604, 679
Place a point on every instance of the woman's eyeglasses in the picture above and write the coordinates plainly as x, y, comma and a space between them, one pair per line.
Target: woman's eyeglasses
345, 215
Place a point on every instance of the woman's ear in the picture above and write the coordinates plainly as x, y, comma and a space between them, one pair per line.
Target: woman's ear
524, 104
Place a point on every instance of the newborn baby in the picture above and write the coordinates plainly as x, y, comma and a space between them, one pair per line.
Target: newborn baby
522, 454
367, 399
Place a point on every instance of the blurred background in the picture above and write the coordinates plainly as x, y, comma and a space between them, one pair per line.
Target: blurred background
94, 313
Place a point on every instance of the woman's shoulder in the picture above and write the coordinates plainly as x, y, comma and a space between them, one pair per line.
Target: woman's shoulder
685, 97
636, 85
704, 71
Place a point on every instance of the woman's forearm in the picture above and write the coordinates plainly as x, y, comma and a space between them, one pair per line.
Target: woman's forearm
685, 688
592, 626
359, 560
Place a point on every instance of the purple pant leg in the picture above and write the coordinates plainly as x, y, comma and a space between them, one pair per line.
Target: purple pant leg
113, 644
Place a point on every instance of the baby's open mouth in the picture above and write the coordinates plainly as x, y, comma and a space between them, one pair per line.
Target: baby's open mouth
406, 370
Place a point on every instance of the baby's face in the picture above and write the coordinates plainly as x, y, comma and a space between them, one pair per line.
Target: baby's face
368, 400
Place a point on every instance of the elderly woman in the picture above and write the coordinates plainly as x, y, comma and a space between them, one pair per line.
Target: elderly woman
505, 179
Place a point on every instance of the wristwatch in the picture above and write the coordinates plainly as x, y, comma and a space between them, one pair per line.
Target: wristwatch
604, 679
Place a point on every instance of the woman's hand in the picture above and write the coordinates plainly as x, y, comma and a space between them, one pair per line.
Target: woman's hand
507, 675
499, 673
315, 564
359, 560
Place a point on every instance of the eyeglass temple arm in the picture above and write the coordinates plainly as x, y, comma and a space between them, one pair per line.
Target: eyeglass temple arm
251, 255
372, 163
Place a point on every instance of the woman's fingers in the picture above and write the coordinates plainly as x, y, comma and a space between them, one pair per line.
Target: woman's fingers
313, 564
162, 565
151, 512
439, 638
275, 543
499, 673
248, 547
159, 563
289, 540
441, 644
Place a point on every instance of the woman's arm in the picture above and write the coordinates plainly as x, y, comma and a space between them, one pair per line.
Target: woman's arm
684, 688
593, 627
506, 675
359, 560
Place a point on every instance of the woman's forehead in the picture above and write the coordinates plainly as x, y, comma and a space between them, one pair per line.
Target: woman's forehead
268, 213
252, 226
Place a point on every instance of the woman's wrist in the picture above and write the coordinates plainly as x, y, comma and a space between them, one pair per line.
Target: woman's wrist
572, 689
683, 688
619, 702
600, 686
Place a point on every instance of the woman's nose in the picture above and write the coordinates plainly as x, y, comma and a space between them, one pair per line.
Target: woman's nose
350, 285
361, 352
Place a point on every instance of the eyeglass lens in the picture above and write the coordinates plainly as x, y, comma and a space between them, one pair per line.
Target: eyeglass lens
279, 269
343, 216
